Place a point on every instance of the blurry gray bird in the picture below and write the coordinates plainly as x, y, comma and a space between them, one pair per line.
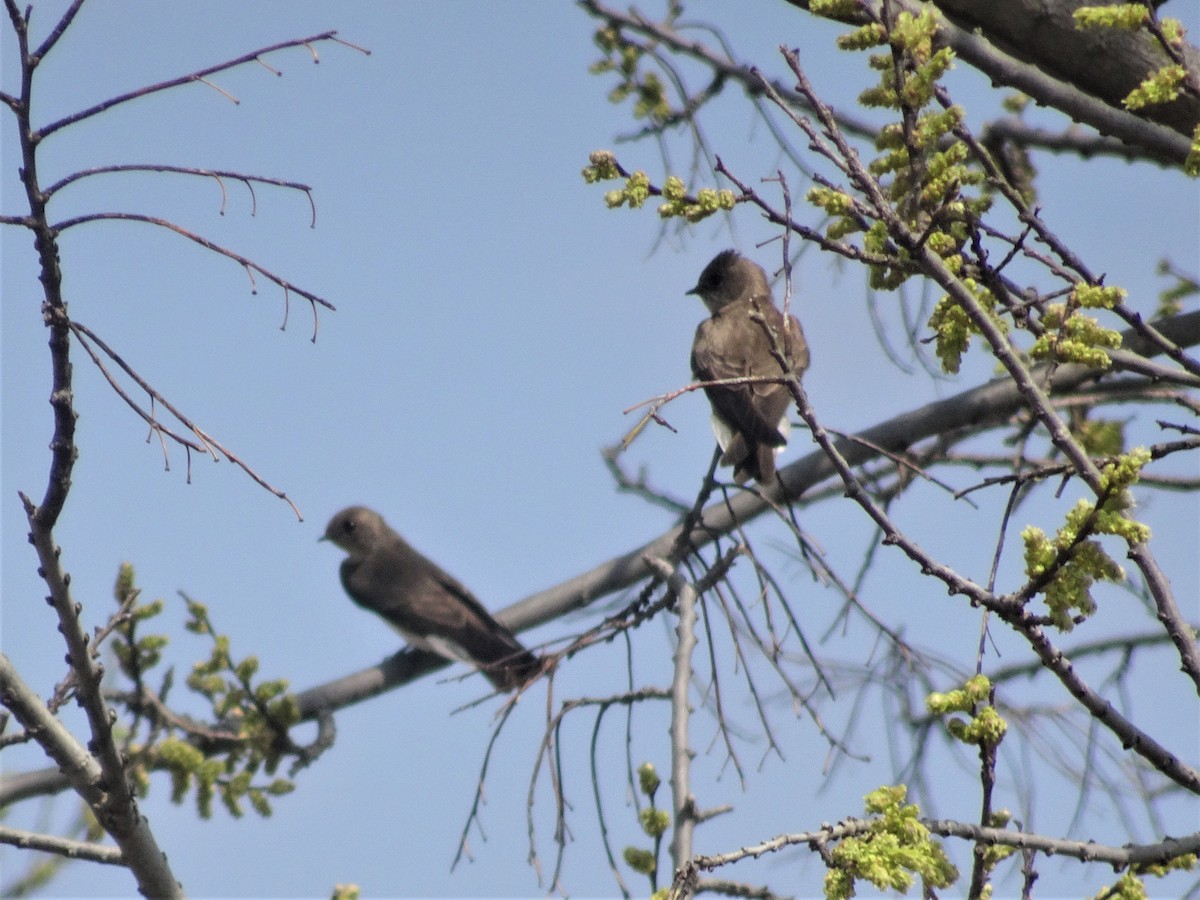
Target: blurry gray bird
430, 609
749, 420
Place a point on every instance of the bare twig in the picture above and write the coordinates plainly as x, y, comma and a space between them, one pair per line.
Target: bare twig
205, 443
723, 67
248, 264
200, 75
218, 175
48, 843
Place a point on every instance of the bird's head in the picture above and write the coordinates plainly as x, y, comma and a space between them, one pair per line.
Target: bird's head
730, 277
355, 529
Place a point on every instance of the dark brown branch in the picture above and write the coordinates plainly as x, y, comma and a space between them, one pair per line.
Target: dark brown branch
984, 46
1044, 37
1080, 143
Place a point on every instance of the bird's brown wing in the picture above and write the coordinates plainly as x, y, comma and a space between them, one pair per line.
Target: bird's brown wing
432, 608
734, 346
466, 622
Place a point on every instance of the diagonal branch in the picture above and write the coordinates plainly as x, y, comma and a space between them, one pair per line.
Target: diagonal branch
198, 75
990, 403
59, 28
102, 784
723, 67
246, 262
206, 443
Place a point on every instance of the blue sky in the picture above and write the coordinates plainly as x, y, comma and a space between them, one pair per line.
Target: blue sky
493, 320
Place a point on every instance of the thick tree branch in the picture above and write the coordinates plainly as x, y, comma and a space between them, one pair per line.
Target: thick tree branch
987, 36
1043, 35
105, 789
988, 404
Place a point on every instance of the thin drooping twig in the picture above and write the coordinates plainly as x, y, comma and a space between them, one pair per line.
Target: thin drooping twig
207, 444
597, 796
473, 815
86, 338
217, 175
248, 264
551, 741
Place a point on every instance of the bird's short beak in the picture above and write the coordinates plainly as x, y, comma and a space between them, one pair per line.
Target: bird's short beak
323, 537
695, 290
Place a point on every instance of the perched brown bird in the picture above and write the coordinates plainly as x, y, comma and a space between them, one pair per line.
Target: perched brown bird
749, 420
430, 609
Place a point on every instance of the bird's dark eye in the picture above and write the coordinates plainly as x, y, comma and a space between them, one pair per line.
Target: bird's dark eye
348, 526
